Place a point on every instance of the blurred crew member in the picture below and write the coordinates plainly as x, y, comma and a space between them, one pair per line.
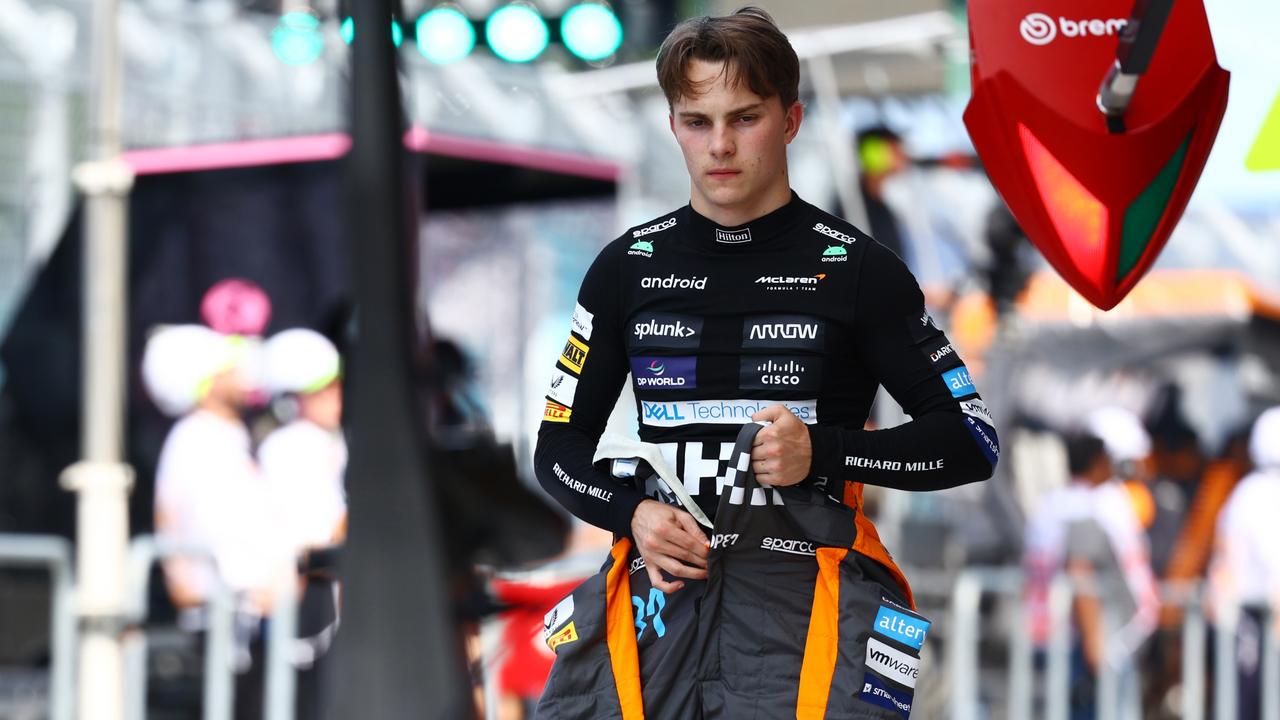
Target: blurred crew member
303, 463
1129, 447
1245, 573
209, 493
880, 158
749, 304
1088, 530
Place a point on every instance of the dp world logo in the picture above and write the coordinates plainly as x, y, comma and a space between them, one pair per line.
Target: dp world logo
1038, 29
656, 367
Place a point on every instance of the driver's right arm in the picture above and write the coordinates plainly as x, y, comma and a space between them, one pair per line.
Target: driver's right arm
584, 387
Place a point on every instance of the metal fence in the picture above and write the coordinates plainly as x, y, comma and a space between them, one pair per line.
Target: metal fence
1033, 687
1115, 699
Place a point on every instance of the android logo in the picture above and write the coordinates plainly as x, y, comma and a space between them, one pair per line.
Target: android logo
643, 246
834, 251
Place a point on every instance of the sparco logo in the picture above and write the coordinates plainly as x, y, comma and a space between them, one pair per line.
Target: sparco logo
636, 564
795, 547
675, 329
671, 281
733, 236
1041, 29
833, 233
659, 227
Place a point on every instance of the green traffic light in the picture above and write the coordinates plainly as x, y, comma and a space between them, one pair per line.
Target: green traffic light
445, 35
296, 39
591, 31
348, 31
516, 33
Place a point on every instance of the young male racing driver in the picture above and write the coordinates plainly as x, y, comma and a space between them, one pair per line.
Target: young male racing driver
749, 304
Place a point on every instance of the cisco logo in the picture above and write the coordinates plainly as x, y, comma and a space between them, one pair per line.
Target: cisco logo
1041, 29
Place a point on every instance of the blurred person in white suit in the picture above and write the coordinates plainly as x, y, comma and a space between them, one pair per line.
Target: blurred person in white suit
303, 462
209, 492
1245, 571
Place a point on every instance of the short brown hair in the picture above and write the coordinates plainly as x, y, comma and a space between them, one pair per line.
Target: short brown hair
749, 44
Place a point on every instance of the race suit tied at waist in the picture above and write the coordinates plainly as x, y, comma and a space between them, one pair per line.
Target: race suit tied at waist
778, 629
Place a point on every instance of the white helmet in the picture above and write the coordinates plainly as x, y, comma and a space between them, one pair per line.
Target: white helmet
300, 361
1264, 439
179, 362
1121, 432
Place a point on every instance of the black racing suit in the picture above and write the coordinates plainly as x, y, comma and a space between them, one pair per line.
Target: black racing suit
797, 307
715, 324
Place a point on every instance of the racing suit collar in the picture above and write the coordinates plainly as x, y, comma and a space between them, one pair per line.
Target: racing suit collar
709, 235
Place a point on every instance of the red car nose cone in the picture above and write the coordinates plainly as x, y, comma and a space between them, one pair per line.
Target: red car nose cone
1099, 206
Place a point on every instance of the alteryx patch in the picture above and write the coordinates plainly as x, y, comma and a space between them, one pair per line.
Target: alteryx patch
877, 692
665, 373
906, 629
959, 382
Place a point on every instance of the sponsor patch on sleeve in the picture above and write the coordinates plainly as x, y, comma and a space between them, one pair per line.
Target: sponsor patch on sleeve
574, 355
555, 412
977, 409
922, 328
892, 663
567, 635
877, 692
559, 615
563, 388
985, 436
581, 321
959, 382
906, 629
940, 352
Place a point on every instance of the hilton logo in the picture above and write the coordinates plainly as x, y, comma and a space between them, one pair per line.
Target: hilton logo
733, 236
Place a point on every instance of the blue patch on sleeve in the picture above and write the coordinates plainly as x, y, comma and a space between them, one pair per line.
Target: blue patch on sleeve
906, 629
985, 436
959, 382
878, 692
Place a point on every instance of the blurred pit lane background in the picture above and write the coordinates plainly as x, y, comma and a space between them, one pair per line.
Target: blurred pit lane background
235, 120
